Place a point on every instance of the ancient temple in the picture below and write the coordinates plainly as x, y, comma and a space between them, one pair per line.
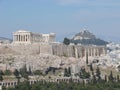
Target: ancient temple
27, 37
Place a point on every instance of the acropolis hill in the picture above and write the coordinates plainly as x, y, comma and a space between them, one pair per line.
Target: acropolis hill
40, 51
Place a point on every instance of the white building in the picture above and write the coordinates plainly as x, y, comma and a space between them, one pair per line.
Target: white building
27, 37
48, 37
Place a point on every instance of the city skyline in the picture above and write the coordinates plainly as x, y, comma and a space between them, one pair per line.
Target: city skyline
63, 17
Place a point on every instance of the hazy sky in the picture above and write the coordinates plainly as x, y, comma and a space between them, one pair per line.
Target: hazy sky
63, 17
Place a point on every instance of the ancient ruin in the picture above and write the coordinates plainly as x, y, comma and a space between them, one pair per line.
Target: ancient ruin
27, 37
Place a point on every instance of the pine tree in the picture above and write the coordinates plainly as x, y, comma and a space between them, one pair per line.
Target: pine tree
66, 41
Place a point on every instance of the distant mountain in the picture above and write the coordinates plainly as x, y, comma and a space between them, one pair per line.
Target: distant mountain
87, 38
85, 34
5, 40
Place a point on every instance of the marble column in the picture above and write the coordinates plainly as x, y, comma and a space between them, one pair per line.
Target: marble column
97, 52
87, 52
91, 51
27, 37
104, 52
17, 38
24, 38
21, 38
13, 37
94, 52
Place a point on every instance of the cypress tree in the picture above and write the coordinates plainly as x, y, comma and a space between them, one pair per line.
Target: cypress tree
1, 78
98, 73
94, 79
86, 57
118, 78
111, 78
105, 78
91, 68
69, 71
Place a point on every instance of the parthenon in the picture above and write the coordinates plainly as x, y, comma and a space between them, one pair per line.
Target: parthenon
27, 37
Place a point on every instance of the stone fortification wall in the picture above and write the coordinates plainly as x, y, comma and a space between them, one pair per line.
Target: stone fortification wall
77, 51
33, 49
28, 49
63, 50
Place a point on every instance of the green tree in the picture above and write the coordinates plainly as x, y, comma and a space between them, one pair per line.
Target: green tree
53, 71
105, 78
23, 72
118, 78
1, 78
37, 72
10, 88
66, 41
1, 75
8, 72
118, 67
23, 86
30, 71
3, 88
83, 74
98, 73
94, 79
67, 72
91, 68
16, 73
1, 72
111, 78
86, 57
